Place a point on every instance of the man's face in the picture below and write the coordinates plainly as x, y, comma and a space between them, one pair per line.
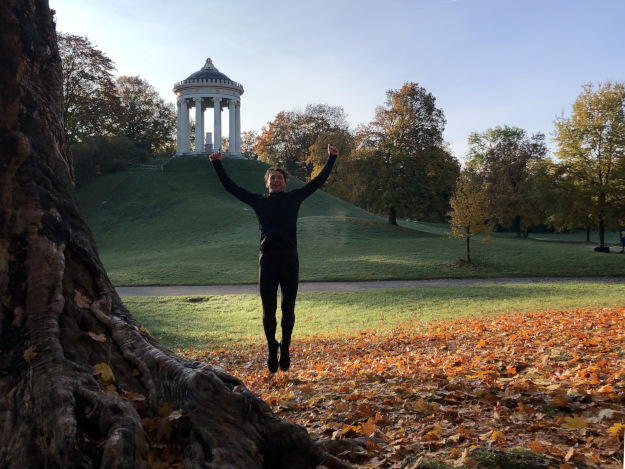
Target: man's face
276, 182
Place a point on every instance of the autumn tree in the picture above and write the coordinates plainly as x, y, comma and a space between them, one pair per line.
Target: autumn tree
402, 165
470, 213
287, 140
145, 117
83, 383
90, 103
591, 153
508, 158
249, 142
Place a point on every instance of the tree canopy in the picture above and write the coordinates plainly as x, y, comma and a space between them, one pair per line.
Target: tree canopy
470, 213
90, 102
287, 141
507, 158
591, 153
400, 163
145, 116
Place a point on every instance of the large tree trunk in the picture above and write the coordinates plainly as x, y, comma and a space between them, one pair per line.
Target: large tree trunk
82, 384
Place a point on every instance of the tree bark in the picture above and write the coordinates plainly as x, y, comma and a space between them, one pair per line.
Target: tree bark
392, 216
82, 384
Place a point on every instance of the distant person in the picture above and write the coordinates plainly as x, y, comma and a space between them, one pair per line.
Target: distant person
278, 261
623, 243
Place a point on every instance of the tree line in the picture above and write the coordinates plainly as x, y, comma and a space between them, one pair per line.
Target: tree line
511, 180
109, 121
398, 165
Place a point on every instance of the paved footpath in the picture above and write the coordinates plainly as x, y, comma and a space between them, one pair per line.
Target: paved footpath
191, 290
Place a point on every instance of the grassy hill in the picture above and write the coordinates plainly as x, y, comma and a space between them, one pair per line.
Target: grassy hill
179, 226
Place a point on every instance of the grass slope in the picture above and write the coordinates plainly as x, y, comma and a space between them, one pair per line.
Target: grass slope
179, 226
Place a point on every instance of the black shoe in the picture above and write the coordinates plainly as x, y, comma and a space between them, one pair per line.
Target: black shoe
272, 360
285, 358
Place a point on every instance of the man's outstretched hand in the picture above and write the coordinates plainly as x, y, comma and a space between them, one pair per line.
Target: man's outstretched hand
333, 150
215, 156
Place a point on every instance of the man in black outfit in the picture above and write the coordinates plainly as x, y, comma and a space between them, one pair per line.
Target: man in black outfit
278, 261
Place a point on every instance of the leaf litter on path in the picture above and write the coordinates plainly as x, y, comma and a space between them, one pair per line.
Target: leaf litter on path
549, 383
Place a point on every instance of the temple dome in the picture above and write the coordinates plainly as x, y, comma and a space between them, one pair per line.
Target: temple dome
208, 71
207, 76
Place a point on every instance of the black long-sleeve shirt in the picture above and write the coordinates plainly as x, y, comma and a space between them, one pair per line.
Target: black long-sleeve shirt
276, 212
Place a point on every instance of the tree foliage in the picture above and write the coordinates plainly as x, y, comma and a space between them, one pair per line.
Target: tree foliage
249, 142
470, 213
145, 116
102, 154
96, 104
591, 154
400, 163
508, 159
287, 141
90, 103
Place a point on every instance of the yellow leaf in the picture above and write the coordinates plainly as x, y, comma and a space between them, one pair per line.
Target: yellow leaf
30, 354
165, 409
481, 343
575, 423
617, 430
498, 436
105, 372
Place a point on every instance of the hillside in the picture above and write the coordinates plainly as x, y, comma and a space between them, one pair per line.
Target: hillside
180, 227
182, 220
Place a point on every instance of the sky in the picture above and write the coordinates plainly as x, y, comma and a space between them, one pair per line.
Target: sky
488, 63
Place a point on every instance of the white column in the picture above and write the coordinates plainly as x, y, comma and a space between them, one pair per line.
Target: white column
217, 126
184, 127
199, 126
237, 126
232, 127
178, 132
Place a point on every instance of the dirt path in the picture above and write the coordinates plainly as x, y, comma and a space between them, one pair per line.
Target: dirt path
181, 290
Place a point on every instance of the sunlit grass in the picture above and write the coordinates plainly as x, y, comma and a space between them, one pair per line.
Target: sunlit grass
207, 321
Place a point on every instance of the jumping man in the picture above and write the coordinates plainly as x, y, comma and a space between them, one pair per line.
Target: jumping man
278, 261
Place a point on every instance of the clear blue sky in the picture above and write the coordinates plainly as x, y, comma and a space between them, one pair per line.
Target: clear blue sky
488, 62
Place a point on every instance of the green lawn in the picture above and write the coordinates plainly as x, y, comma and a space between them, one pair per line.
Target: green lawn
179, 227
206, 321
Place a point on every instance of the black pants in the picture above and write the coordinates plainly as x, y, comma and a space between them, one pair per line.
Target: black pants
278, 268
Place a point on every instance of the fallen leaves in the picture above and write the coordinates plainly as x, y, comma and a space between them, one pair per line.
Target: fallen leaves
550, 382
105, 372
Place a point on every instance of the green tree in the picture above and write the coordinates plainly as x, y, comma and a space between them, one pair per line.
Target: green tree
591, 153
400, 161
145, 117
90, 104
509, 158
104, 154
470, 213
